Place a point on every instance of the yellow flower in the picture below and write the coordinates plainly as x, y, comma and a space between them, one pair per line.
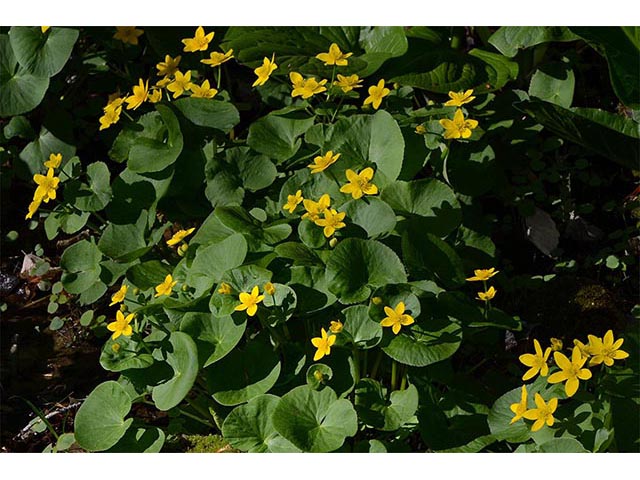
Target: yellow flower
293, 201
119, 295
376, 300
169, 66
181, 250
33, 208
264, 71
556, 344
519, 408
121, 325
318, 375
323, 344
203, 91
537, 362
128, 34
543, 414
459, 99
334, 56
359, 183
306, 88
482, 275
44, 29
54, 160
376, 94
47, 186
315, 209
156, 95
331, 222
297, 81
488, 295
396, 318
165, 287
179, 236
459, 127
111, 116
115, 347
606, 350
163, 82
140, 94
348, 83
216, 58
570, 370
180, 84
321, 163
335, 326
250, 301
421, 129
270, 288
199, 42
224, 288
585, 350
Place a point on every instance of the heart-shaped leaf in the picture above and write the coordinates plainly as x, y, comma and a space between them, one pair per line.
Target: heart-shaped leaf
183, 358
215, 336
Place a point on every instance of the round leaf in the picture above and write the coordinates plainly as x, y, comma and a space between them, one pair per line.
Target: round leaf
315, 421
356, 265
100, 423
372, 214
42, 55
126, 358
206, 112
140, 440
281, 305
376, 411
183, 358
215, 336
364, 332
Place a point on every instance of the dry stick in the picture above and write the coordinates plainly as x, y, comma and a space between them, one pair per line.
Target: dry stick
27, 432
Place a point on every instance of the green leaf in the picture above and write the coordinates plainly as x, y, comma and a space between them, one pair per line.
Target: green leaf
621, 47
125, 242
471, 168
140, 440
148, 274
212, 230
280, 306
244, 373
18, 127
42, 54
562, 445
155, 148
37, 152
380, 44
364, 332
607, 134
372, 214
94, 196
126, 358
356, 265
425, 342
426, 254
387, 415
256, 171
81, 265
299, 253
206, 112
21, 91
215, 336
100, 423
183, 358
508, 40
427, 198
250, 427
361, 139
315, 421
277, 134
213, 260
554, 82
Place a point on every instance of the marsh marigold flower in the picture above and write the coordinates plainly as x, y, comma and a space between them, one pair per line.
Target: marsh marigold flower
481, 275
181, 83
140, 94
519, 408
179, 236
216, 58
606, 350
118, 297
556, 344
331, 222
315, 209
47, 186
334, 56
200, 41
270, 288
128, 34
459, 127
305, 88
165, 287
348, 83
542, 414
460, 98
44, 29
264, 71
169, 66
335, 326
33, 208
121, 325
396, 318
571, 371
224, 288
55, 159
359, 183
321, 163
488, 295
250, 301
376, 94
203, 91
155, 95
293, 201
537, 362
323, 344
420, 129
585, 350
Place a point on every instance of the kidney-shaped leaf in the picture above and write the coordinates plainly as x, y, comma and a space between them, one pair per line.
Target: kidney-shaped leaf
315, 421
100, 423
42, 54
215, 336
206, 112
